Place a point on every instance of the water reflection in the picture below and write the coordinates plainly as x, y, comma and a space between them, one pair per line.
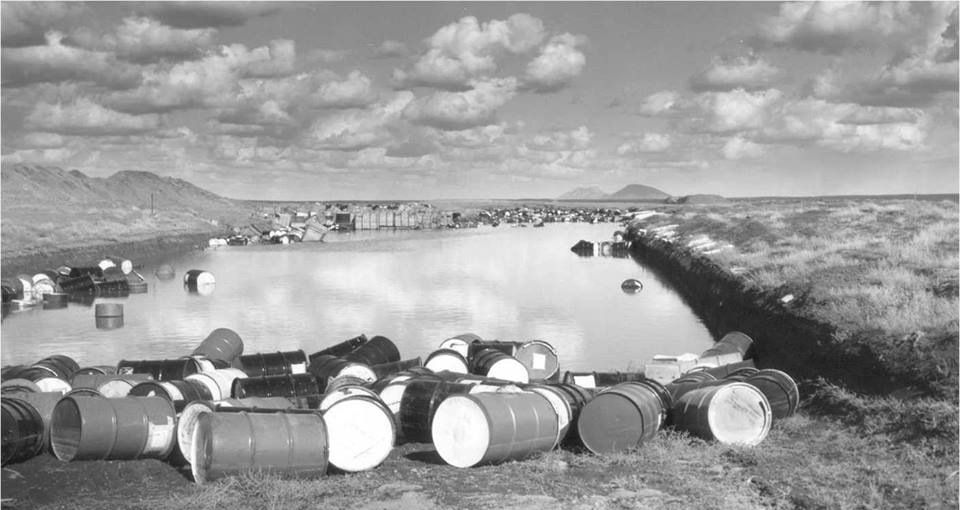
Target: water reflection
416, 288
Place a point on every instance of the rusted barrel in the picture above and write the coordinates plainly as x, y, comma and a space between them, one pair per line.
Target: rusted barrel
273, 363
108, 315
495, 363
733, 413
161, 369
296, 385
187, 421
622, 417
343, 348
290, 445
599, 380
23, 430
386, 369
419, 401
540, 358
461, 343
446, 360
218, 382
493, 427
376, 351
111, 386
779, 389
96, 428
179, 393
222, 344
361, 432
327, 368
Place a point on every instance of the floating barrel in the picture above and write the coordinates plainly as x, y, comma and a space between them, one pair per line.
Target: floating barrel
23, 431
597, 380
218, 382
289, 445
493, 427
273, 363
222, 344
361, 432
461, 343
386, 369
621, 417
732, 342
326, 368
494, 363
779, 389
54, 300
109, 315
179, 393
447, 360
165, 272
95, 370
8, 290
187, 420
631, 286
199, 281
108, 385
376, 351
59, 365
419, 401
161, 369
136, 283
96, 428
540, 358
125, 265
78, 284
24, 284
734, 413
43, 402
296, 385
343, 348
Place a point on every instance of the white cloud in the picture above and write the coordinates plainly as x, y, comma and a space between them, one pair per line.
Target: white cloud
41, 140
665, 103
882, 115
481, 136
278, 59
194, 14
467, 49
391, 49
651, 142
353, 92
26, 23
739, 147
578, 139
56, 62
461, 110
737, 110
143, 40
557, 65
748, 72
86, 118
358, 129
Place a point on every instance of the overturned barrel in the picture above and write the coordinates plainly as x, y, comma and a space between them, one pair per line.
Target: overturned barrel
187, 420
198, 281
96, 370
419, 401
223, 344
43, 402
343, 348
161, 369
108, 385
41, 377
622, 417
178, 393
327, 368
273, 363
732, 347
493, 427
461, 343
219, 383
289, 445
779, 389
599, 380
361, 432
23, 430
497, 364
540, 358
96, 428
733, 413
376, 351
291, 386
387, 369
59, 365
446, 360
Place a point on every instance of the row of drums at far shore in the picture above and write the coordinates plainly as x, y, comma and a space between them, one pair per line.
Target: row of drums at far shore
344, 408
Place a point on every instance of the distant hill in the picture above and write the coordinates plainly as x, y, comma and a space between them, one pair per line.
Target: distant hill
584, 193
639, 192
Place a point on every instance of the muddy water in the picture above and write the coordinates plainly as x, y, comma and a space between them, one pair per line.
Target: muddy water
416, 288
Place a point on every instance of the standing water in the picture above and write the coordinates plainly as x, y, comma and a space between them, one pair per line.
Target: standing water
415, 287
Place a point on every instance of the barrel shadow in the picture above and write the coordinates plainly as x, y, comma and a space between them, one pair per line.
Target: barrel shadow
426, 456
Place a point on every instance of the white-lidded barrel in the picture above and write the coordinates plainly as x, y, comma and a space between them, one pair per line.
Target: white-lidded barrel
493, 427
540, 358
199, 281
733, 413
187, 420
447, 359
361, 432
496, 364
218, 382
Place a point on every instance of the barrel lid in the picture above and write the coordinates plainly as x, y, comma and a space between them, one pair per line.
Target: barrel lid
461, 431
509, 369
361, 433
540, 358
446, 359
738, 413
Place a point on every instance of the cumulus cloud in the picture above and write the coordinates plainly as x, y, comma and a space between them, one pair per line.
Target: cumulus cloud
144, 40
651, 142
739, 147
737, 110
194, 14
391, 49
481, 136
40, 140
278, 59
358, 129
882, 115
86, 118
834, 27
578, 139
559, 62
325, 56
26, 23
354, 92
461, 110
55, 62
665, 103
467, 49
748, 72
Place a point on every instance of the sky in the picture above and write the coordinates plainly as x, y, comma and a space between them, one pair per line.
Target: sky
398, 100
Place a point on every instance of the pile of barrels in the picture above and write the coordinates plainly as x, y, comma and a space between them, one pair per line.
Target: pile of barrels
345, 407
54, 288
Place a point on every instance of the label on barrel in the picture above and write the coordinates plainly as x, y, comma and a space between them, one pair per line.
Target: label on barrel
585, 381
539, 361
298, 368
160, 435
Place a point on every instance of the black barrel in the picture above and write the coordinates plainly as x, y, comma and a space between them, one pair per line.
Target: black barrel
273, 363
508, 348
495, 363
223, 344
577, 397
179, 393
723, 371
386, 369
23, 431
161, 369
779, 389
341, 349
326, 368
96, 370
596, 380
59, 365
418, 404
377, 351
286, 385
732, 342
